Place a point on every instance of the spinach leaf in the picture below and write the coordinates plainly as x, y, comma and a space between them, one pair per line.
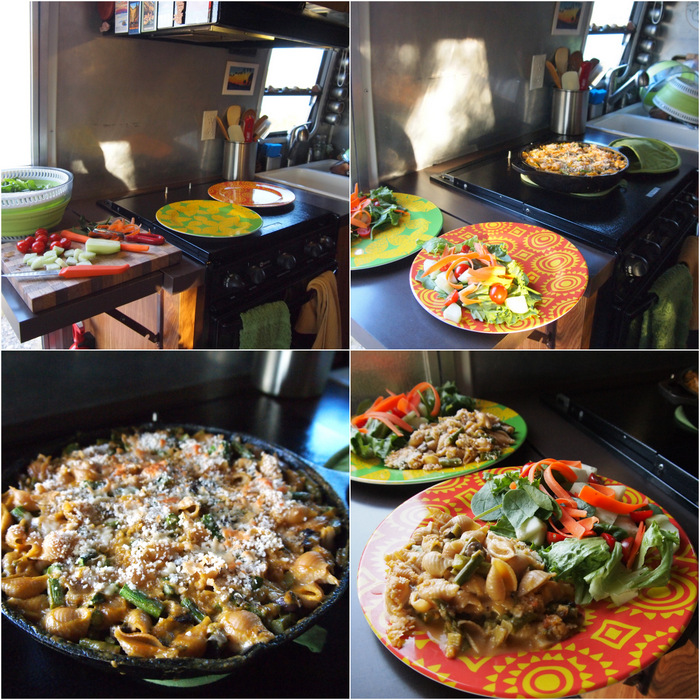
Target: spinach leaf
486, 504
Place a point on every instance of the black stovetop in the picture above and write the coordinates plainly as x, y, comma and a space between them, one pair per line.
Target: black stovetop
279, 223
606, 222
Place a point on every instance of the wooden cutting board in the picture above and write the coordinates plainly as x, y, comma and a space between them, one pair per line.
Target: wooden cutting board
42, 294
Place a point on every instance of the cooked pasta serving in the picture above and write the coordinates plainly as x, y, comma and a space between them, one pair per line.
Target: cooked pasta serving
475, 592
575, 158
164, 544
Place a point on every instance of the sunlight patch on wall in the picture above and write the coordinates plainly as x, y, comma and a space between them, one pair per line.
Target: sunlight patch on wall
119, 161
455, 98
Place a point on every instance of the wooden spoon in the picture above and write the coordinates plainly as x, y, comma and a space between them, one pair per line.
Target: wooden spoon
223, 128
561, 59
553, 72
575, 61
233, 115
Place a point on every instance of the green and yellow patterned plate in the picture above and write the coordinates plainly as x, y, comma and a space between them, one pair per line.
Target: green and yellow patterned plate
424, 221
373, 471
199, 217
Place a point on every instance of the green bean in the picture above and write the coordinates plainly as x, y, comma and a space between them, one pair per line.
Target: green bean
241, 450
469, 568
149, 605
450, 462
190, 606
56, 593
97, 645
453, 436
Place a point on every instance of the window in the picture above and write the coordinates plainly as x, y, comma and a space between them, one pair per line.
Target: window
291, 76
607, 37
15, 122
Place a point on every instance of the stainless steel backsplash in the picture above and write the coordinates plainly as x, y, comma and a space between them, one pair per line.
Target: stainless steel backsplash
441, 79
128, 111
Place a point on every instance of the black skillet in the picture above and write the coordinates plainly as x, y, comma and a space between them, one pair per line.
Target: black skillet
174, 669
571, 184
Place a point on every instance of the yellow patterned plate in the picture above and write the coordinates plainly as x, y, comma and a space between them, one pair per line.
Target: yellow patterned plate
251, 194
373, 471
199, 217
555, 267
423, 221
614, 644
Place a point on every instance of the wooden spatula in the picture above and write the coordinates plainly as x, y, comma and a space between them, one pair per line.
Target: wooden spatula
233, 115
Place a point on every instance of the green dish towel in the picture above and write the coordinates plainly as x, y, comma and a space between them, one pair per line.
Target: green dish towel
648, 155
667, 323
267, 326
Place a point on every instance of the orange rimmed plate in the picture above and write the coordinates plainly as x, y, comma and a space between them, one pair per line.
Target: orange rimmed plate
554, 265
251, 194
614, 644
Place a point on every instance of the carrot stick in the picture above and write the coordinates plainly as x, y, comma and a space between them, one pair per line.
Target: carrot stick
636, 544
81, 238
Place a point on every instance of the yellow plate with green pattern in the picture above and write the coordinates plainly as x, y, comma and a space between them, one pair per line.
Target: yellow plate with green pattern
373, 471
200, 217
422, 222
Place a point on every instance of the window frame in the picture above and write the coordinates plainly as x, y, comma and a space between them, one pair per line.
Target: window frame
322, 80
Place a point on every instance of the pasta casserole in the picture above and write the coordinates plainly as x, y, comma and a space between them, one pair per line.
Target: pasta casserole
164, 544
575, 158
474, 591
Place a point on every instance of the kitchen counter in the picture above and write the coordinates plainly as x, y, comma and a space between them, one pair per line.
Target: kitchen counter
314, 428
384, 312
186, 276
379, 674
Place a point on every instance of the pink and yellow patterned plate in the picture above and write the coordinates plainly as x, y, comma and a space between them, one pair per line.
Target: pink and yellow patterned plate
200, 217
555, 267
422, 222
251, 194
615, 642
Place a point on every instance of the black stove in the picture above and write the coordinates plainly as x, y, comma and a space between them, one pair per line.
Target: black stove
295, 244
643, 222
279, 223
607, 222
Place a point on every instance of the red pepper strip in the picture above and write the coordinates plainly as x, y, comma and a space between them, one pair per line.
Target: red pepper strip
595, 498
426, 385
555, 537
143, 237
387, 418
609, 539
636, 544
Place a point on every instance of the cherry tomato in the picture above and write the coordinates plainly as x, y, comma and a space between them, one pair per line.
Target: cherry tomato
639, 515
55, 237
498, 293
55, 244
460, 269
23, 246
30, 240
41, 232
595, 479
453, 298
42, 237
65, 243
609, 539
363, 232
38, 247
555, 537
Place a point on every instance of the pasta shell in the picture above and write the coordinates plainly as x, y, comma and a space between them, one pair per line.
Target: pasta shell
140, 644
435, 564
500, 581
24, 586
244, 629
533, 580
311, 567
70, 623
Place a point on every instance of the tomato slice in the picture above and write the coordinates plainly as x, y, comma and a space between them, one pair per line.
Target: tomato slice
498, 294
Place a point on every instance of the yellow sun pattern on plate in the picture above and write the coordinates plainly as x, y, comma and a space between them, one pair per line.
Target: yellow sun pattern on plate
207, 218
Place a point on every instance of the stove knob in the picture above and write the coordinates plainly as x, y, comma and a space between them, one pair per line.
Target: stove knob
234, 281
286, 261
313, 249
256, 274
636, 265
327, 243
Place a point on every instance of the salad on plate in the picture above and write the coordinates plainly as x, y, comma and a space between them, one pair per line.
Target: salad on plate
479, 278
372, 211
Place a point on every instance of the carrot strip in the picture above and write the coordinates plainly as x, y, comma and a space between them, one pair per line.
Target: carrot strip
599, 500
636, 544
427, 385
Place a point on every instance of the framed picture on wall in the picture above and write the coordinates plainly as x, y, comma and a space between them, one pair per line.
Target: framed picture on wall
570, 18
240, 78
